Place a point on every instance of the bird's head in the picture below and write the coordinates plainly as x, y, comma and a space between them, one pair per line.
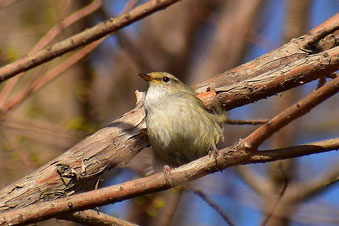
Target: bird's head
165, 81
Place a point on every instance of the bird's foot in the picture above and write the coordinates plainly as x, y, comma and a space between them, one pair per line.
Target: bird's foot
213, 153
168, 175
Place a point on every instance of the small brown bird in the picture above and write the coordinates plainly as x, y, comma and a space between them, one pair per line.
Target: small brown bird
179, 127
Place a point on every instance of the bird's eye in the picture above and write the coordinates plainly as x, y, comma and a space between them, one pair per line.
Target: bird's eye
165, 79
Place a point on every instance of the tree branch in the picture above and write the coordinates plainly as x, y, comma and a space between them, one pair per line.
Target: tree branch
214, 205
255, 181
284, 68
92, 217
83, 38
246, 122
49, 76
50, 36
227, 157
295, 111
77, 169
311, 189
80, 166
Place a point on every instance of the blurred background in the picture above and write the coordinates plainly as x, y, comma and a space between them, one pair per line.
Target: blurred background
194, 40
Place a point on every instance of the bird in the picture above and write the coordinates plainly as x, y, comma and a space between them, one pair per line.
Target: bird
179, 127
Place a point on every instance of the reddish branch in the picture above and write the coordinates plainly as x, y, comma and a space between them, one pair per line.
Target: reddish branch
227, 157
49, 76
289, 66
58, 70
284, 73
50, 36
280, 70
92, 217
83, 38
246, 122
255, 139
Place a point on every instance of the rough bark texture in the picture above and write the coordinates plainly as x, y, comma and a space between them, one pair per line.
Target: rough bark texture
289, 66
302, 60
227, 157
79, 168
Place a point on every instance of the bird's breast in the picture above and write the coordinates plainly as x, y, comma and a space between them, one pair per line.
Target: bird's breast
179, 129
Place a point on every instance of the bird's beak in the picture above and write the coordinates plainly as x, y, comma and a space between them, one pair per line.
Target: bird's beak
146, 77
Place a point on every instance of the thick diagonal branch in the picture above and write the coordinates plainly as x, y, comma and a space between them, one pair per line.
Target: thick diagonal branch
227, 157
115, 144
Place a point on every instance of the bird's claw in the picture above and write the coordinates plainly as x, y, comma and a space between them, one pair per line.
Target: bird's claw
213, 153
168, 175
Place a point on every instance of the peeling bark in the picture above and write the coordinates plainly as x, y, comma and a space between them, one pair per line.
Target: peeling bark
79, 168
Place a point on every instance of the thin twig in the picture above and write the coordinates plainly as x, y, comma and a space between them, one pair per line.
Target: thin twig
83, 38
316, 186
212, 204
58, 70
52, 74
246, 122
290, 114
48, 38
258, 183
129, 5
136, 53
282, 192
172, 203
15, 145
